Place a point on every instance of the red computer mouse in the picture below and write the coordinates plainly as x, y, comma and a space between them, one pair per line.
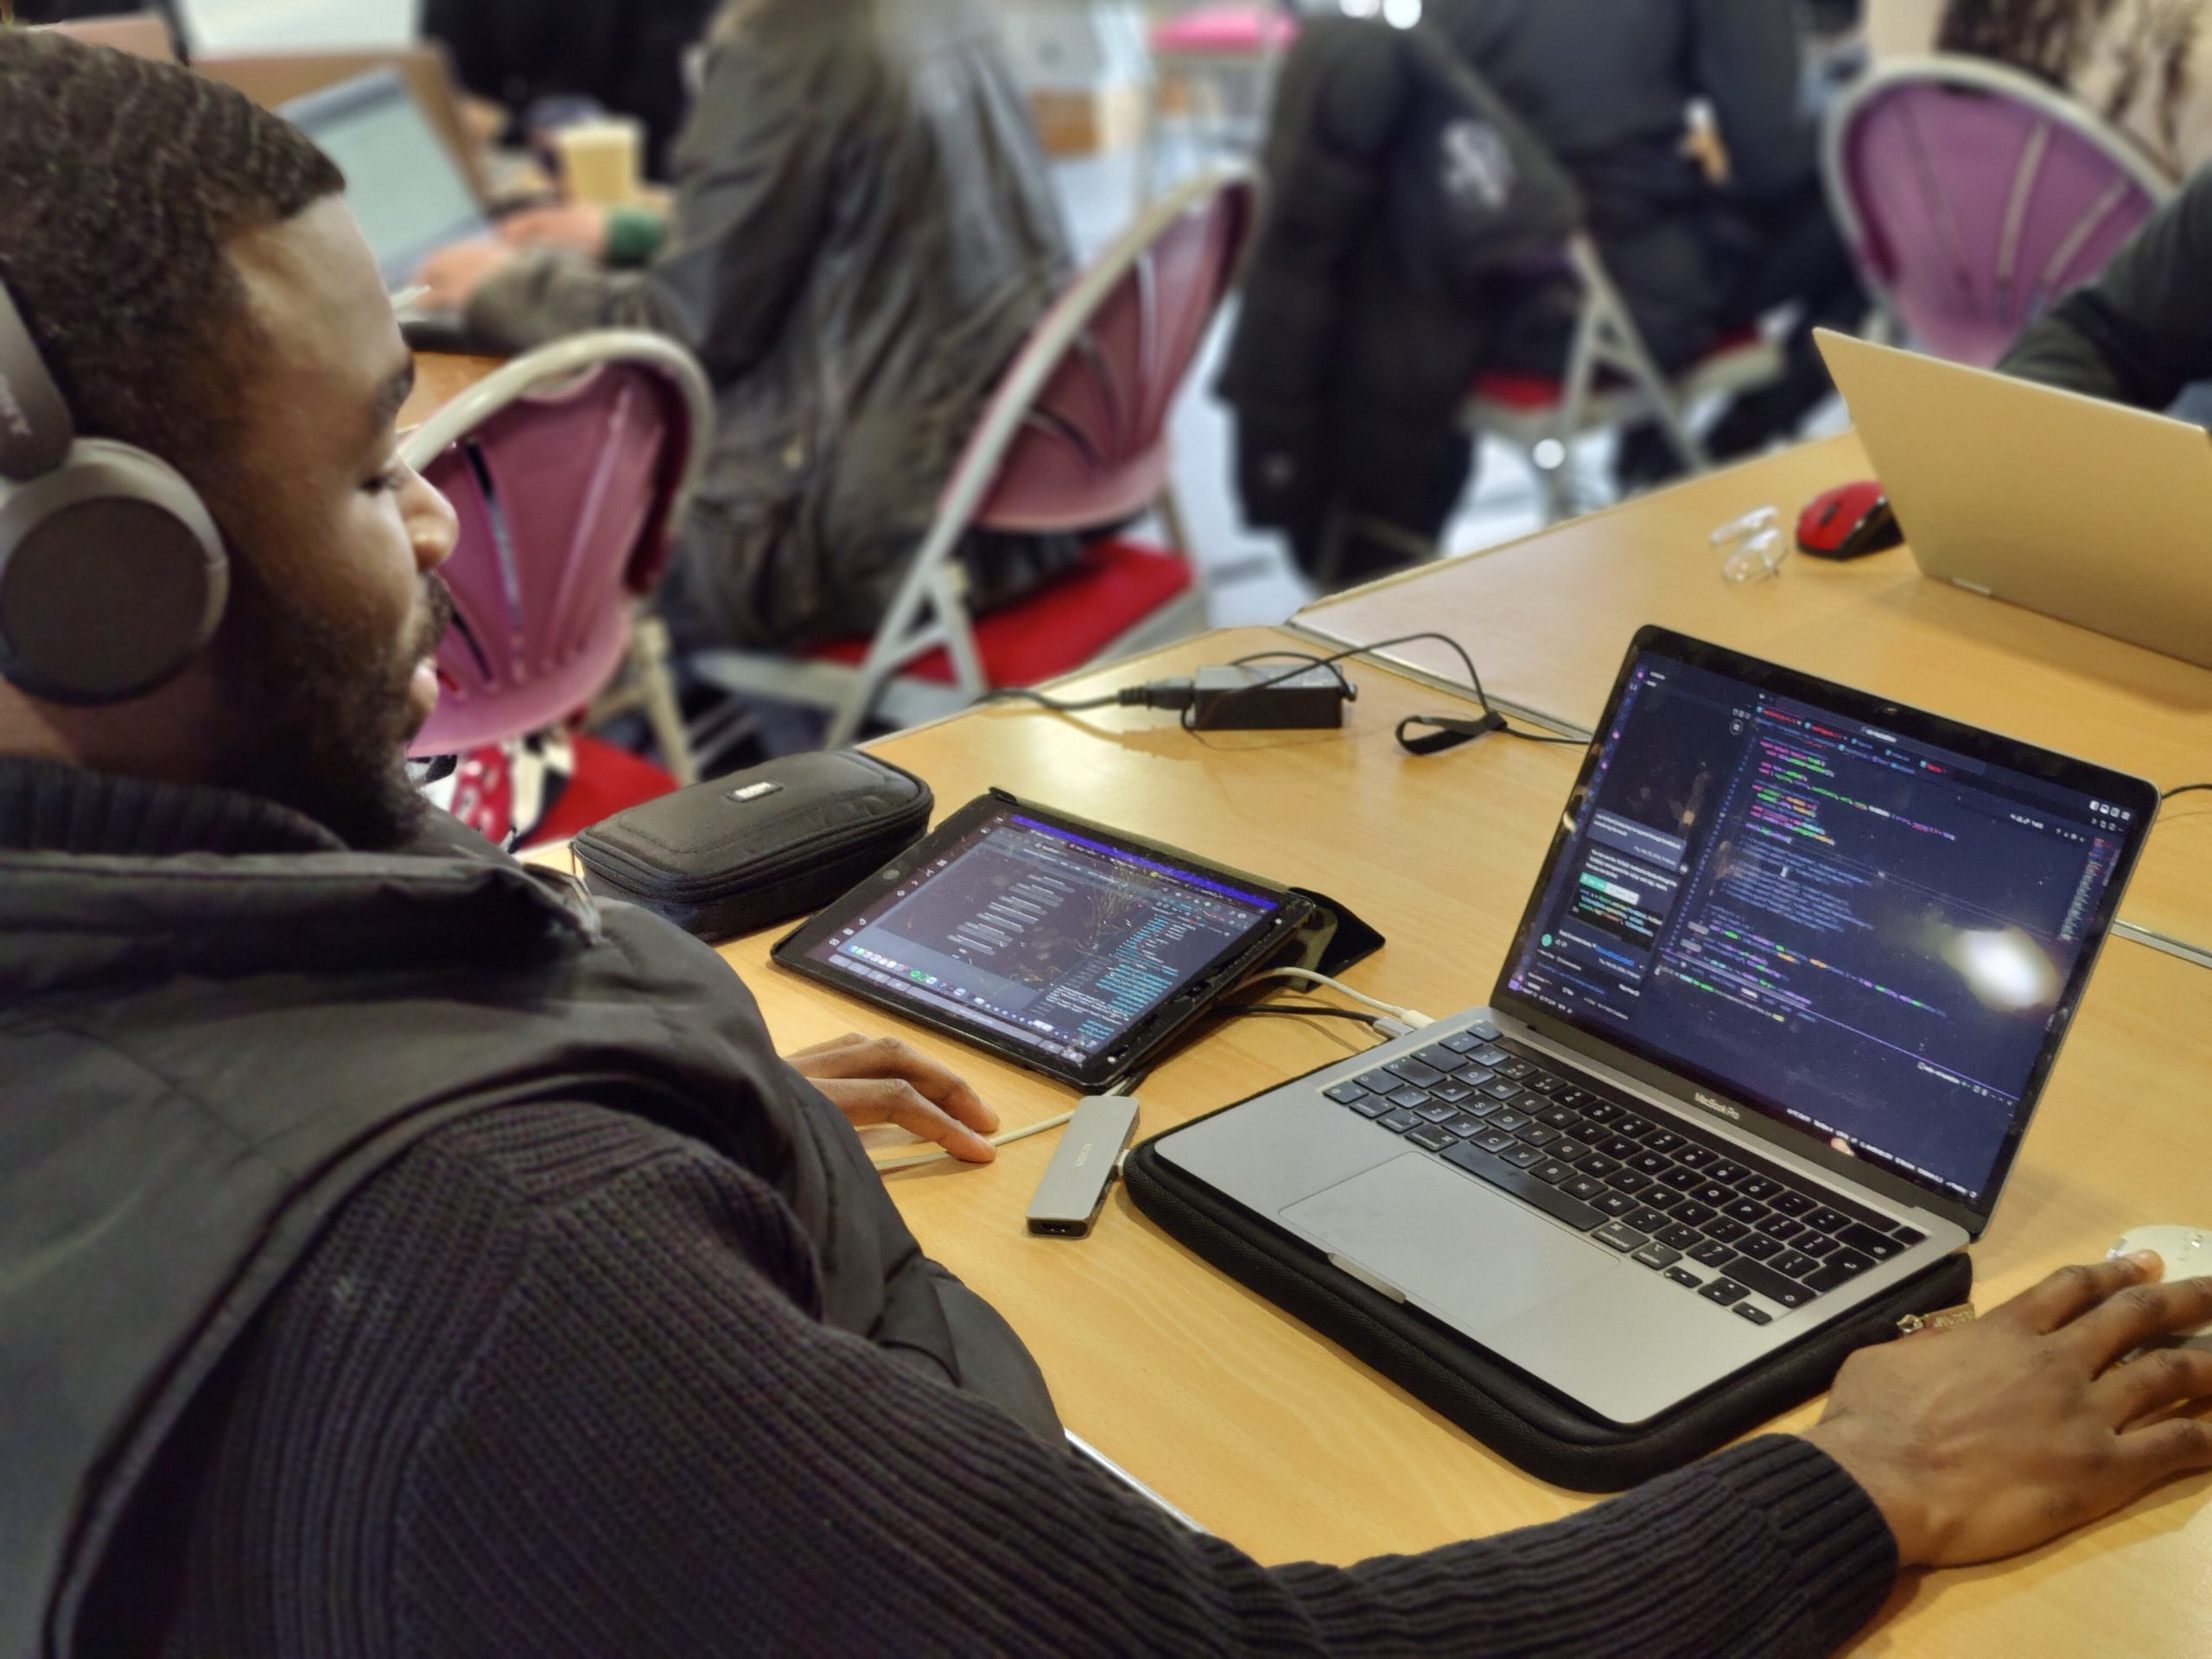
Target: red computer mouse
1848, 522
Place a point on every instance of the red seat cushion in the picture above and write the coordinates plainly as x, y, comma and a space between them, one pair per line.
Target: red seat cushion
1060, 628
1223, 31
1528, 393
606, 780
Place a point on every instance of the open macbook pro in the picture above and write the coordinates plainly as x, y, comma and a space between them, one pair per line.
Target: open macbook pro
1791, 981
2084, 510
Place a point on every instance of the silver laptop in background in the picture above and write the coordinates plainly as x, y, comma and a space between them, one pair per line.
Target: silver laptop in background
1779, 1009
2088, 511
402, 183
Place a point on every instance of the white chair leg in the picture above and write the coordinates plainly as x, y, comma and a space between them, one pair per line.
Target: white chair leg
1550, 462
1171, 522
951, 606
648, 658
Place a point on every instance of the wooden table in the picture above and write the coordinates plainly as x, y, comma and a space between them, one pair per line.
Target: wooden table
1274, 1437
1549, 618
440, 378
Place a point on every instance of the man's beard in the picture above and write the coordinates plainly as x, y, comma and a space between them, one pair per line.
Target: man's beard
316, 712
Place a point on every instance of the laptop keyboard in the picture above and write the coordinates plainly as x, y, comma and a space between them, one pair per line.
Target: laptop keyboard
1701, 1211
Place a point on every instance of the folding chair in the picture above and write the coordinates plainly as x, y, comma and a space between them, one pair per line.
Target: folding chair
569, 468
1611, 381
1972, 196
1075, 438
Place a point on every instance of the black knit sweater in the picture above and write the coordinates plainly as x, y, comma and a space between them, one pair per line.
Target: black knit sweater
553, 1385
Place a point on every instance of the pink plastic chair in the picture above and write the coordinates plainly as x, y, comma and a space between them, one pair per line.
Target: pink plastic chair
1075, 438
1973, 196
569, 468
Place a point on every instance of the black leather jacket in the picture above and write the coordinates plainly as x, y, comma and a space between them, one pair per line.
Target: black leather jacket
864, 235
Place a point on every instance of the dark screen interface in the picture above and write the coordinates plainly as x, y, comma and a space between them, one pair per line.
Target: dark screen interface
1866, 937
1044, 937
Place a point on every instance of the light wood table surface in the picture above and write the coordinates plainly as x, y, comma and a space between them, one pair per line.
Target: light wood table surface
1548, 619
1272, 1437
440, 378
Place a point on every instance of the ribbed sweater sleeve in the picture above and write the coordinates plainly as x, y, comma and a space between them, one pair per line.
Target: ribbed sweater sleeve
550, 1386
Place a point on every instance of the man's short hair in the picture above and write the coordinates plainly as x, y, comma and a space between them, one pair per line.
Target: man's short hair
122, 181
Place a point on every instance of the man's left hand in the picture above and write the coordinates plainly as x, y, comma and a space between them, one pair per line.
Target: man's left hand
453, 275
880, 1080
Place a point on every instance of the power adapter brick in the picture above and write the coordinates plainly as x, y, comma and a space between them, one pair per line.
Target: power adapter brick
1257, 698
1237, 697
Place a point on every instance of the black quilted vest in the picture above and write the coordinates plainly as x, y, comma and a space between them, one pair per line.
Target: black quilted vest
216, 1023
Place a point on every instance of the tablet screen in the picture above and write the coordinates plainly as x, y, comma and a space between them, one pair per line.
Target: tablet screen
1040, 936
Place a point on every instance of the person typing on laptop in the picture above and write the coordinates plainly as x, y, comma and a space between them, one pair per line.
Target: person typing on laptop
862, 235
398, 1256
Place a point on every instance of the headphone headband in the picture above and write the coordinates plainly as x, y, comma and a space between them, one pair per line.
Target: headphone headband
36, 430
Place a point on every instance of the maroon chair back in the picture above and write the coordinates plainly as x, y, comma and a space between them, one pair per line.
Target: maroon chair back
1978, 197
1092, 448
564, 500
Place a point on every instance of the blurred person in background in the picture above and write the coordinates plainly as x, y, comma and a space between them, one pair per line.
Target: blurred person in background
1687, 126
2141, 333
863, 235
2144, 66
628, 56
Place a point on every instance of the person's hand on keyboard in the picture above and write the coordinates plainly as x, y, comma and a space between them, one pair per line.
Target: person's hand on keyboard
1991, 1437
450, 276
575, 227
880, 1080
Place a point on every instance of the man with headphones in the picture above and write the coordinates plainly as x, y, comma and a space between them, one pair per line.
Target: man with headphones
401, 1254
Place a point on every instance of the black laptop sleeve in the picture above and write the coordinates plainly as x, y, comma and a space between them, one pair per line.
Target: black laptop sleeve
1521, 1422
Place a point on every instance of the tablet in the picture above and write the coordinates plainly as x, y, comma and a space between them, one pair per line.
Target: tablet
1070, 948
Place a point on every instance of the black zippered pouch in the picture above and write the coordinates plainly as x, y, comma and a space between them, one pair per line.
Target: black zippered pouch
760, 847
1521, 1422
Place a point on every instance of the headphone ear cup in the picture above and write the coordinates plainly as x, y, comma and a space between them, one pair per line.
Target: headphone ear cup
113, 576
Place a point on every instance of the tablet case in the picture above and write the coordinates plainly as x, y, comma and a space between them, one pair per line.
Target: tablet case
760, 847
1527, 1424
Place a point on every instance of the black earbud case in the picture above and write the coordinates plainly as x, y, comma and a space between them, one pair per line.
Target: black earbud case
760, 847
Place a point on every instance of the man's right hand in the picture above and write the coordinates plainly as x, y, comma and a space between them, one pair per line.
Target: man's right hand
1995, 1437
578, 227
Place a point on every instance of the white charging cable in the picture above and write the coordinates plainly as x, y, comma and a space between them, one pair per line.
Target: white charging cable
1004, 1138
1413, 1018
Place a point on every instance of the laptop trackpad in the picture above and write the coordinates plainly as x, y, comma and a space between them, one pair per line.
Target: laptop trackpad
1456, 1248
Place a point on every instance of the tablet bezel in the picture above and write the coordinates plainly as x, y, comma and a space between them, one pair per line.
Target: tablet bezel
1148, 1036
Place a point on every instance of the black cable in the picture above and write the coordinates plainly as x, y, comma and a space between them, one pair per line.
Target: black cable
1460, 731
2187, 789
1058, 705
1450, 730
1454, 733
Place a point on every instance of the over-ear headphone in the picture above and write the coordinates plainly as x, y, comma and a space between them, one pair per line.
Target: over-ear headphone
112, 574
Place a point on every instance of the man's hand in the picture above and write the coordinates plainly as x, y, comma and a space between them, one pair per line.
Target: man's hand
453, 275
880, 1080
579, 228
1995, 1437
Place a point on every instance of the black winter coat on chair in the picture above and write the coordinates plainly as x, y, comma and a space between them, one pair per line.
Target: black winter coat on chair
1402, 199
